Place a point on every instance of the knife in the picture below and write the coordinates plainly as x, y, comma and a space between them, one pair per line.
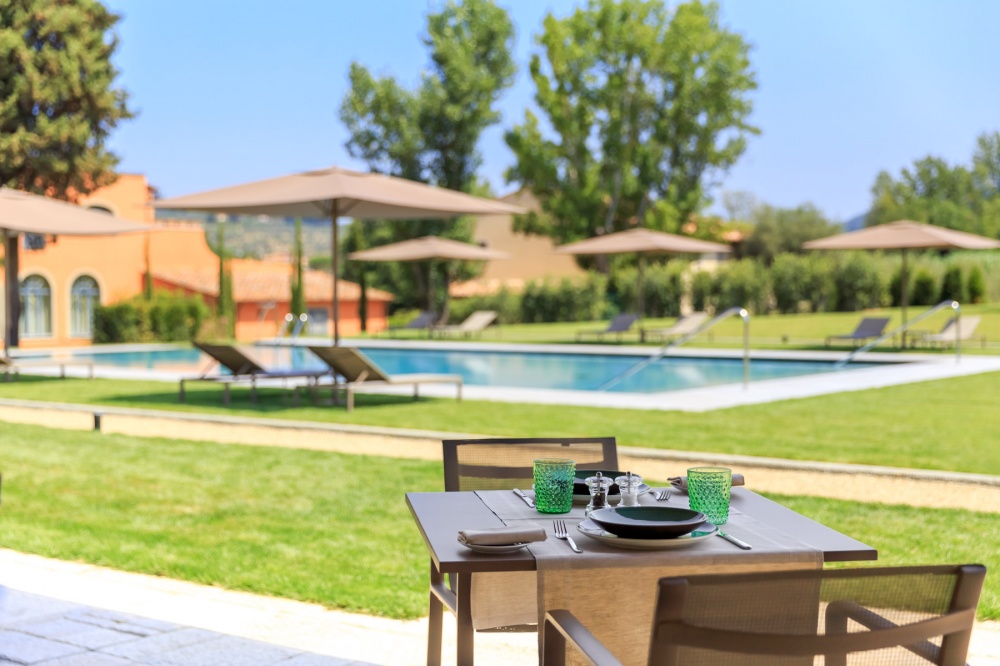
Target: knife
527, 500
730, 538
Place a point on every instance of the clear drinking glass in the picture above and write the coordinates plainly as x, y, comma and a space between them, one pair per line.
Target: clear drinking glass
708, 492
554, 484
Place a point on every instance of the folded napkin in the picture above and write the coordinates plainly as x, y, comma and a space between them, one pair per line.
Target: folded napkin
501, 536
681, 482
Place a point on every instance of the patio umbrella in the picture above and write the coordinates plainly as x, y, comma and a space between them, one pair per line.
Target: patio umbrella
22, 212
903, 235
428, 248
335, 192
641, 242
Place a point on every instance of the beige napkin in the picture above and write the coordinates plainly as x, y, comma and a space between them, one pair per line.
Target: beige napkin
501, 536
681, 482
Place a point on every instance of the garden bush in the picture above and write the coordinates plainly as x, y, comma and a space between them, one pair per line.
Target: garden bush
565, 300
952, 286
166, 317
743, 283
802, 283
858, 283
701, 290
924, 289
506, 303
662, 288
976, 285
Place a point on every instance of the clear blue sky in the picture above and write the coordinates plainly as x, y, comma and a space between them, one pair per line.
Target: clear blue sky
234, 90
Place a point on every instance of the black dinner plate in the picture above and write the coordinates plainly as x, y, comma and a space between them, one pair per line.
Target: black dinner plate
648, 522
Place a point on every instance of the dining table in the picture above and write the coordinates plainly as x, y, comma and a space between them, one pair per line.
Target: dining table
610, 589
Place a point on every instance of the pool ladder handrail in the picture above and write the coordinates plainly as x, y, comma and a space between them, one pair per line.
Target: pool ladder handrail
947, 303
741, 311
296, 328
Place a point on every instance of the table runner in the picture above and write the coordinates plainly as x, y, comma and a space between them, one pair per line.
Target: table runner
604, 576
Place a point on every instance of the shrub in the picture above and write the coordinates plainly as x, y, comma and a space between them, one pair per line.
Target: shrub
952, 286
858, 283
506, 303
924, 289
743, 283
976, 285
801, 281
166, 317
566, 300
702, 285
662, 288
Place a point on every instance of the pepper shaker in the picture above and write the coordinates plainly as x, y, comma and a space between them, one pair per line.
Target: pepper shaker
599, 486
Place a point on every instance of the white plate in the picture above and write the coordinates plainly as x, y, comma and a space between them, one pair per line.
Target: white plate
591, 529
498, 549
612, 499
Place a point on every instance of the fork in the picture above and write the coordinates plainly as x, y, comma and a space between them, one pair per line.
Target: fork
662, 495
560, 531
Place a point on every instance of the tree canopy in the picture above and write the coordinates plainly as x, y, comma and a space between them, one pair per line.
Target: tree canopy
430, 133
781, 230
58, 100
960, 197
641, 106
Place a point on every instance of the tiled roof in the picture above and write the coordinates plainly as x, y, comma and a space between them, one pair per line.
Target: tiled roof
259, 281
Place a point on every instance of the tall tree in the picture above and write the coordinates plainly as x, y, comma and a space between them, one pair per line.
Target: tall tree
430, 133
934, 192
642, 106
781, 230
58, 101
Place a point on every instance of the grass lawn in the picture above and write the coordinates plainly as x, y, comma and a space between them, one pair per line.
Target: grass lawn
773, 331
310, 525
949, 424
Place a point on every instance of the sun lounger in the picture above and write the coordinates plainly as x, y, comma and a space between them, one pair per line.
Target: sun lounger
11, 366
965, 328
683, 326
242, 369
475, 323
619, 325
359, 371
868, 328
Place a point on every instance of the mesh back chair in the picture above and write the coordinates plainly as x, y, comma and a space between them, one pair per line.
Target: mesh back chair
502, 464
874, 616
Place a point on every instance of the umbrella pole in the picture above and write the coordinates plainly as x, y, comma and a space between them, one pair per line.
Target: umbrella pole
904, 289
335, 266
12, 296
638, 287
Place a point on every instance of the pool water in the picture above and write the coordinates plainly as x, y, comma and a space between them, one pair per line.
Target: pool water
517, 369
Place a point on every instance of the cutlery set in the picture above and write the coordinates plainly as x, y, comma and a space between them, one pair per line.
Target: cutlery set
560, 531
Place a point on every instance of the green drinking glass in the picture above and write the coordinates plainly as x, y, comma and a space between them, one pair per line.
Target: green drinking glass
554, 479
708, 492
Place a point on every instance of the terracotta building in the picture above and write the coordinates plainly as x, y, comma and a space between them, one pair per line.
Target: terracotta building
62, 278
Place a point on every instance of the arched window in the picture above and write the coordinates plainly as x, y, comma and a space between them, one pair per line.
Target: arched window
36, 307
83, 296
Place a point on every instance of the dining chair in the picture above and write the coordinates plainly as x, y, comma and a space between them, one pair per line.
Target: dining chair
878, 616
502, 464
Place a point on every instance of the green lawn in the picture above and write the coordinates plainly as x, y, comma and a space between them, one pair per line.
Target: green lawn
311, 525
774, 331
948, 424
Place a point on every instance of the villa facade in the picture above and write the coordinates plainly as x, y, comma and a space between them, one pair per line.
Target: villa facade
63, 278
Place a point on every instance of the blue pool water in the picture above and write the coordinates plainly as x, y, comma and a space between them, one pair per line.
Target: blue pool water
517, 369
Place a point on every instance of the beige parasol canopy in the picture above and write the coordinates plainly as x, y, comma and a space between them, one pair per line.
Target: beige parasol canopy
641, 241
21, 212
903, 235
335, 192
428, 248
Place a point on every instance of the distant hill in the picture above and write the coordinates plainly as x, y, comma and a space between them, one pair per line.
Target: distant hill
257, 237
855, 223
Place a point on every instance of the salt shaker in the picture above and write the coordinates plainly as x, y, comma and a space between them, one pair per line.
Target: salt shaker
628, 485
599, 486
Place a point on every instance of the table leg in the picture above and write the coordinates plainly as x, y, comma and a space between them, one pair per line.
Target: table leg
463, 614
435, 624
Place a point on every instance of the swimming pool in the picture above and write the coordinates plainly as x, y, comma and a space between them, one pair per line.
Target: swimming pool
509, 368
